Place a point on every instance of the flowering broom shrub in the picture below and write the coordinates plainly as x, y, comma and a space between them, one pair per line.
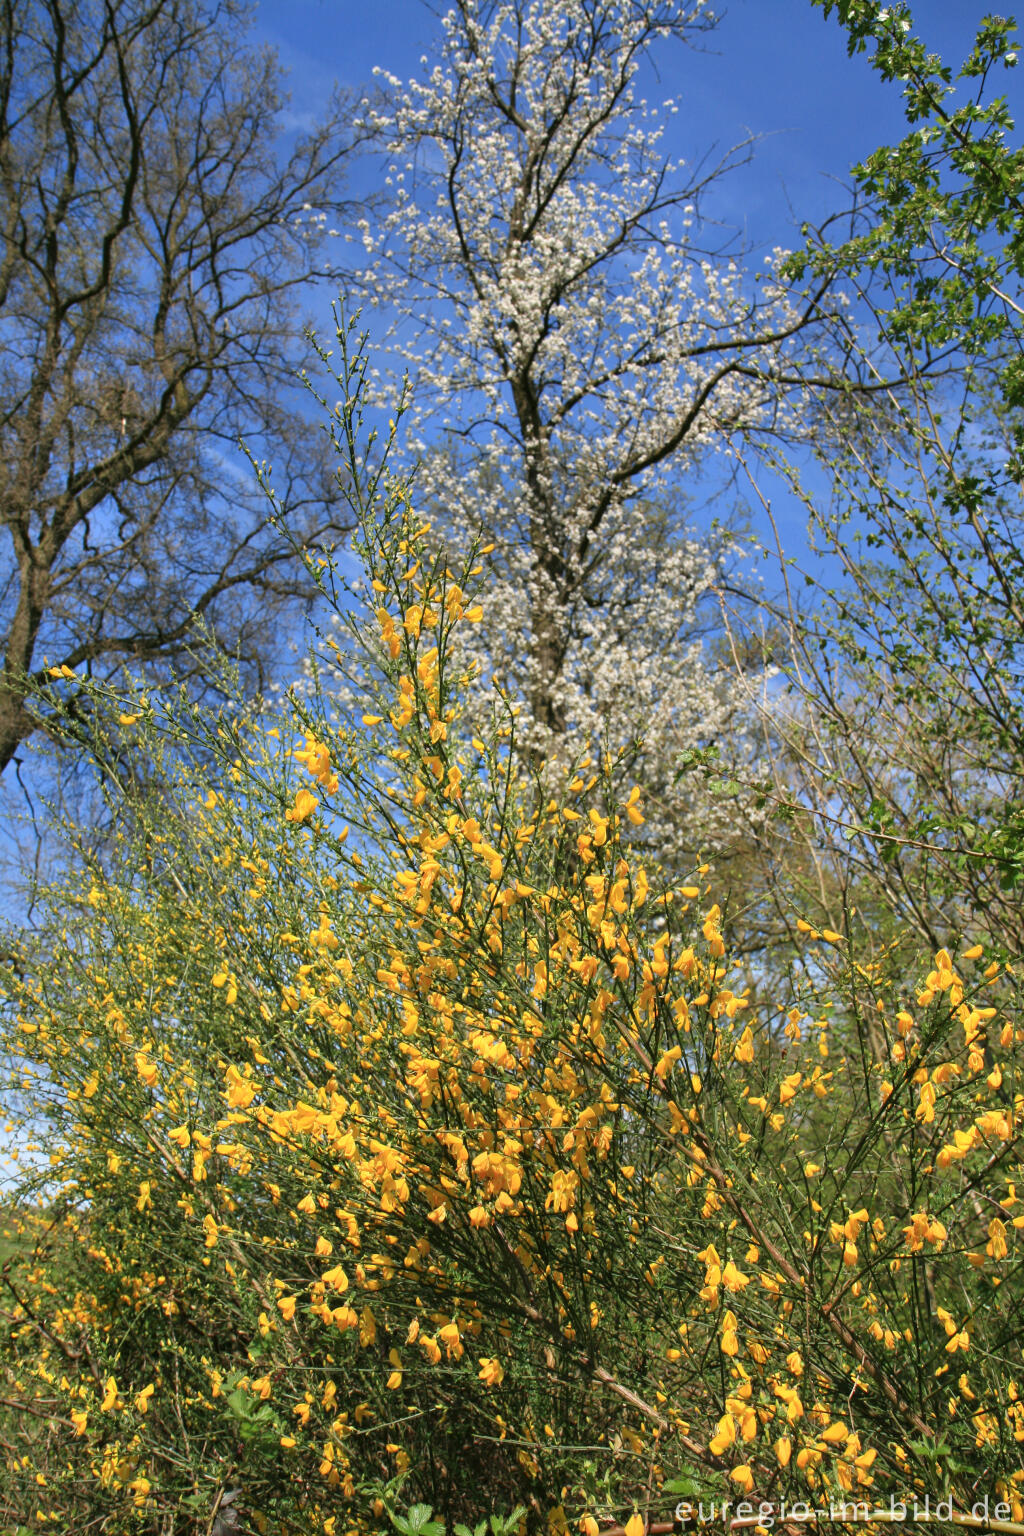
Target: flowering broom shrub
391, 1134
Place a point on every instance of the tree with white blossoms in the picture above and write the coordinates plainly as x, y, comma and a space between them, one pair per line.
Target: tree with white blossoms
575, 354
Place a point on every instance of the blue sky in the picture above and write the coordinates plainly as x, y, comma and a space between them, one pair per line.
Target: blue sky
777, 70
774, 68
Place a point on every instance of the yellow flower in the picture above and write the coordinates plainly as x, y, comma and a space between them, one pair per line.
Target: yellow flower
744, 1050
286, 1307
451, 1339
143, 1397
305, 805
144, 1202
491, 1372
725, 1436
317, 759
996, 1247
789, 1086
79, 1418
146, 1069
635, 1525
240, 1092
109, 1395
743, 1476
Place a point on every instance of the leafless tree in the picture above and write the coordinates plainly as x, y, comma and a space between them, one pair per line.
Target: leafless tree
157, 229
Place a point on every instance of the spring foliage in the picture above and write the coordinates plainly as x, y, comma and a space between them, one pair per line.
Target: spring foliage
408, 1137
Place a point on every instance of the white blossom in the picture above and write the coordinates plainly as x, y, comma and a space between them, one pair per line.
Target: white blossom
576, 358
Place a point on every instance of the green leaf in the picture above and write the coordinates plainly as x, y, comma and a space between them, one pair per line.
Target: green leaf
239, 1404
685, 1486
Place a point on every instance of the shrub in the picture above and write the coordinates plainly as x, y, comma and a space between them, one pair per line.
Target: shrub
402, 1137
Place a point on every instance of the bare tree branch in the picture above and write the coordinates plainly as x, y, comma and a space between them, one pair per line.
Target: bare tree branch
155, 238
